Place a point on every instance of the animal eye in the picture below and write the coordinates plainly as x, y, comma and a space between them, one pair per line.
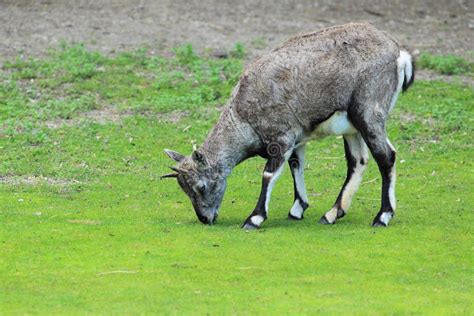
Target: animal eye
202, 188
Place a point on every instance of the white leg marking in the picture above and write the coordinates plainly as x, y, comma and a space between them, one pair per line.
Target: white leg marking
297, 209
386, 217
391, 188
360, 152
352, 186
390, 145
393, 178
257, 220
300, 186
299, 175
331, 215
273, 177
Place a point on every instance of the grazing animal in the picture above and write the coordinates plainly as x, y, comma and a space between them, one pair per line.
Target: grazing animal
342, 80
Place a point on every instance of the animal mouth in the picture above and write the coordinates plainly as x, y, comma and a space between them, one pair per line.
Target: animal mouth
207, 220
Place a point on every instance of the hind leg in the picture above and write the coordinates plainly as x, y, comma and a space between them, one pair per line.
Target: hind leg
385, 155
372, 128
300, 204
357, 157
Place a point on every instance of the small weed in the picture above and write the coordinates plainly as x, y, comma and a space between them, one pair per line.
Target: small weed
238, 51
446, 65
185, 55
259, 42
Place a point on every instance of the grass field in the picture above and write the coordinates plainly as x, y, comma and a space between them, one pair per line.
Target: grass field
87, 226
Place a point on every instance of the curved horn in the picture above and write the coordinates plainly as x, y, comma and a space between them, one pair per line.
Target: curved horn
175, 169
169, 175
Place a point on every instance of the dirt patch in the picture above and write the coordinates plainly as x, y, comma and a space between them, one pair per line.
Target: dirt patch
408, 117
36, 180
110, 114
30, 27
173, 117
107, 114
431, 75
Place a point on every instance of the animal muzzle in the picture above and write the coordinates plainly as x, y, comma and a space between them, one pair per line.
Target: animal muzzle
207, 219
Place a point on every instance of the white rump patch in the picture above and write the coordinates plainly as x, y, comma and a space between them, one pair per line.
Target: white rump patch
404, 70
404, 61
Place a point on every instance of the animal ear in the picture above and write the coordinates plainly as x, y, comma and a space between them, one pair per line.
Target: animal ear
199, 158
174, 155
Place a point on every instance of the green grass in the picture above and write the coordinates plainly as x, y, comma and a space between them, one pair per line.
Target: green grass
446, 64
83, 199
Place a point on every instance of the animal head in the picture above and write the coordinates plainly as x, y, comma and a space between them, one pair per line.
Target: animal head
203, 184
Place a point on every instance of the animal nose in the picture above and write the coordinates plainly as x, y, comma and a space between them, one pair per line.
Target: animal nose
207, 220
203, 219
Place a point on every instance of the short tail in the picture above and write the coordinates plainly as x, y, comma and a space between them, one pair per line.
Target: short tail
407, 65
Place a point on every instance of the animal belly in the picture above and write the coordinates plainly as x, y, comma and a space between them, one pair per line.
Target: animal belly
338, 124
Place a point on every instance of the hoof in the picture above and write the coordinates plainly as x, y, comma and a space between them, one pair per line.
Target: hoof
294, 218
377, 223
340, 213
323, 220
382, 219
253, 222
297, 211
249, 226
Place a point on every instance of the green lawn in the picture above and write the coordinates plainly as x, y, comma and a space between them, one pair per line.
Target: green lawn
87, 226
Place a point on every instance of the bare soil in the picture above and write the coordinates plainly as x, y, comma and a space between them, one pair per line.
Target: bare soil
29, 27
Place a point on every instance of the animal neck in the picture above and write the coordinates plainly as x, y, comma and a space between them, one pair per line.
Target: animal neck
230, 142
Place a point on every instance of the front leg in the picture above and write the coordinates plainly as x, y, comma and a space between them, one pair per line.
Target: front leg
300, 203
272, 171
